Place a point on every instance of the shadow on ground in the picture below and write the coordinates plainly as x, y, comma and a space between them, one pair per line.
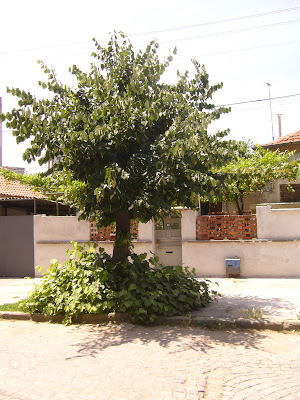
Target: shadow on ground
100, 337
232, 306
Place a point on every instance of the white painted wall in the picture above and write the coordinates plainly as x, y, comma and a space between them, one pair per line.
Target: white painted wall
188, 224
146, 233
278, 223
277, 255
258, 258
53, 237
45, 252
52, 228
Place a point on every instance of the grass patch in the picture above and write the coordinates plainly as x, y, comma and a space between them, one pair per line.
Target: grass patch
255, 313
13, 307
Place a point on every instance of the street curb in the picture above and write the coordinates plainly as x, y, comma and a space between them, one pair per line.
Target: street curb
275, 324
215, 323
80, 319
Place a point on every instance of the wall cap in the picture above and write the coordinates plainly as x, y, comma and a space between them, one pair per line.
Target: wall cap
84, 241
241, 241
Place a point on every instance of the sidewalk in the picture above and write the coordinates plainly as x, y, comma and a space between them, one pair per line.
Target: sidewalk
14, 289
276, 301
247, 303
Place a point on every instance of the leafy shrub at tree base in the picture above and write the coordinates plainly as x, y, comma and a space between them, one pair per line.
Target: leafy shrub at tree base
89, 282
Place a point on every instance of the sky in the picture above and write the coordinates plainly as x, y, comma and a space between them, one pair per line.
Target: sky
244, 44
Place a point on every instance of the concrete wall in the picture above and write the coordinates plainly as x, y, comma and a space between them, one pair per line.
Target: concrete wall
275, 254
188, 224
146, 234
45, 252
48, 228
16, 246
53, 237
278, 223
258, 258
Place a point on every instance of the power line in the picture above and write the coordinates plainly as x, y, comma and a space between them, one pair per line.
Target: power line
251, 28
215, 22
214, 53
264, 107
244, 49
259, 100
181, 28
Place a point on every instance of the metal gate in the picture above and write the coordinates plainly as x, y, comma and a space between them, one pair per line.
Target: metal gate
168, 242
16, 246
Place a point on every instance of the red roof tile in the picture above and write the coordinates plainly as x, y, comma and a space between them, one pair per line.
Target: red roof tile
290, 138
17, 190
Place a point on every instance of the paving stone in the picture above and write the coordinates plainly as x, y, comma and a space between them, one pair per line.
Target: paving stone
41, 361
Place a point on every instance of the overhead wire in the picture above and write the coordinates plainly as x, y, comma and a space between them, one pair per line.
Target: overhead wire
251, 28
259, 100
244, 49
264, 14
262, 106
181, 28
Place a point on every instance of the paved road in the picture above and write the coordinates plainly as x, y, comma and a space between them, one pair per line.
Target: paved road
41, 361
277, 298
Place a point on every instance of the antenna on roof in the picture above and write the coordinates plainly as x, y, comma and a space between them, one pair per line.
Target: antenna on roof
269, 84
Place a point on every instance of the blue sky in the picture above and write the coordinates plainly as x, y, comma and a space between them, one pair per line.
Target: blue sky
238, 46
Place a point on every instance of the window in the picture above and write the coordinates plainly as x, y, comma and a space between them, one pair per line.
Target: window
288, 196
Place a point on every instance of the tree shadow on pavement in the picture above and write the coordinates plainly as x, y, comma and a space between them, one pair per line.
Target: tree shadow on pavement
101, 337
233, 306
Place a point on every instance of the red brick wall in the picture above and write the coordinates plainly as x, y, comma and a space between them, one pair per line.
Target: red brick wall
109, 232
230, 227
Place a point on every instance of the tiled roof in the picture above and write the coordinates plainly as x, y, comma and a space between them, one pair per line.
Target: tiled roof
14, 189
290, 138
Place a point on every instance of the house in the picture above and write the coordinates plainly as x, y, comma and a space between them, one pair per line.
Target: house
32, 234
275, 192
27, 241
19, 205
18, 199
290, 142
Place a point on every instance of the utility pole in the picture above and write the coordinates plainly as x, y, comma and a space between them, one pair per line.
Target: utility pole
0, 133
269, 84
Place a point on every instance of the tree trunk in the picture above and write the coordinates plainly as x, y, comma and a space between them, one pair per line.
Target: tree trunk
239, 197
122, 241
240, 206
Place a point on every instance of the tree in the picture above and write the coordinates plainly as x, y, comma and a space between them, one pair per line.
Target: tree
252, 170
126, 145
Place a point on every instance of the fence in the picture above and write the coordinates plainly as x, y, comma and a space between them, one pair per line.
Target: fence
231, 227
108, 233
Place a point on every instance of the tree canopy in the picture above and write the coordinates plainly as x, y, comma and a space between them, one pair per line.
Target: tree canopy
125, 144
252, 170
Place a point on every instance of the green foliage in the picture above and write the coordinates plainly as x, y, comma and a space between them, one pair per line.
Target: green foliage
13, 307
254, 313
252, 170
120, 135
89, 283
